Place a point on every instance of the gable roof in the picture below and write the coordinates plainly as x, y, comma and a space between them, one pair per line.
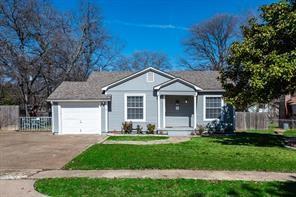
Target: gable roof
206, 80
137, 74
92, 88
167, 83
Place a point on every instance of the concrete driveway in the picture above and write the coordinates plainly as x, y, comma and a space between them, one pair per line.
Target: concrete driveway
20, 150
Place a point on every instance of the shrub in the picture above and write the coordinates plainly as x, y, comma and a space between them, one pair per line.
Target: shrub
200, 129
127, 127
150, 128
139, 129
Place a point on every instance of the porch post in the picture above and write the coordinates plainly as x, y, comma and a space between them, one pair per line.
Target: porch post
158, 111
163, 111
106, 116
194, 116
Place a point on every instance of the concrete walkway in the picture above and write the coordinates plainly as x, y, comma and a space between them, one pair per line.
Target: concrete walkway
15, 188
21, 183
157, 174
170, 140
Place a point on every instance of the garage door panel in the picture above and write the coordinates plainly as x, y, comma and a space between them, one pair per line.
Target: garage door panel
81, 118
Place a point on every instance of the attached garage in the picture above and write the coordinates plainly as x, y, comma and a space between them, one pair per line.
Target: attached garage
78, 118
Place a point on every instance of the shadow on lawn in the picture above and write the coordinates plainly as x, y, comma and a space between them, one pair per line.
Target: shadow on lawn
252, 139
274, 189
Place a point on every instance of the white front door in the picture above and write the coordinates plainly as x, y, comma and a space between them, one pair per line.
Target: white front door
81, 118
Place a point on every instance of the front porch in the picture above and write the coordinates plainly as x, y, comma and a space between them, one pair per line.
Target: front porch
177, 106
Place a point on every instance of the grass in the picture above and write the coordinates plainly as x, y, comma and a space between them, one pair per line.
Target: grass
149, 187
244, 151
290, 133
287, 133
136, 138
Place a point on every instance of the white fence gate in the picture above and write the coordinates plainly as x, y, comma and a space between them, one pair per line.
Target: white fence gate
35, 123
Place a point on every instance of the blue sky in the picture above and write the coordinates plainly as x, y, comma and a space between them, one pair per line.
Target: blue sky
160, 25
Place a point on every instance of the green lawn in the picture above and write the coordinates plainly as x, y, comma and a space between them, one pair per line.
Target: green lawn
149, 187
290, 133
136, 138
244, 151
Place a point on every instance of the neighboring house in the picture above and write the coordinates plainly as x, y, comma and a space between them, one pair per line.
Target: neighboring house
176, 101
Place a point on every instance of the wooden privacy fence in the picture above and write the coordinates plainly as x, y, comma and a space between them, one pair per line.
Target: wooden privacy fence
9, 117
251, 120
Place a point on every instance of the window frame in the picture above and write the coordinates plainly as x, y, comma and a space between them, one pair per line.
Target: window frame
204, 106
144, 107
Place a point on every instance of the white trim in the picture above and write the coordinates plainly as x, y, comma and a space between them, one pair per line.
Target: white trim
60, 118
194, 115
204, 106
138, 73
213, 91
106, 117
164, 109
100, 113
147, 77
158, 111
52, 118
144, 107
177, 79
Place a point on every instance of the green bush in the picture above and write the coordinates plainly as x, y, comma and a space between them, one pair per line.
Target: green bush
139, 129
150, 128
200, 129
127, 127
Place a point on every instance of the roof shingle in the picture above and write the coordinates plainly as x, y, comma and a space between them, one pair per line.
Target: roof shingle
92, 88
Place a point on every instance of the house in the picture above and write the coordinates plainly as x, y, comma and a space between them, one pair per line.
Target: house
175, 101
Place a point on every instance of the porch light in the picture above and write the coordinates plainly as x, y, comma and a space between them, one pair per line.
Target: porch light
177, 105
186, 100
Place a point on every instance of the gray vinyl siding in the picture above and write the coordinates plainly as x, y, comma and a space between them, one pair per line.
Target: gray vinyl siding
178, 87
137, 85
55, 116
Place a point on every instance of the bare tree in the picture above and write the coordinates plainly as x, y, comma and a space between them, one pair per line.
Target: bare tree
207, 46
143, 59
40, 47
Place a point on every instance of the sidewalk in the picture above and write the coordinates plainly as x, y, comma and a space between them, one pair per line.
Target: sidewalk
162, 174
21, 182
18, 188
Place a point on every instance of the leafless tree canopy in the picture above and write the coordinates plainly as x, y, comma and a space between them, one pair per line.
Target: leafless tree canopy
143, 59
208, 43
40, 47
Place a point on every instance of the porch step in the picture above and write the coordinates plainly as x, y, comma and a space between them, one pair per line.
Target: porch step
177, 131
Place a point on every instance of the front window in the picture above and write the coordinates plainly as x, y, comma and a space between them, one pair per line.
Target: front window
213, 107
134, 108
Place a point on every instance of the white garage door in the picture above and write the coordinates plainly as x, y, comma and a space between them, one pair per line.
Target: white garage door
81, 118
